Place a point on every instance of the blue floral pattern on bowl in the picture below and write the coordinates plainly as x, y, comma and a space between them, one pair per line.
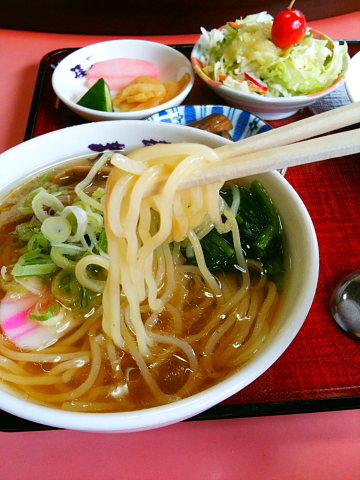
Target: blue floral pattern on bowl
245, 124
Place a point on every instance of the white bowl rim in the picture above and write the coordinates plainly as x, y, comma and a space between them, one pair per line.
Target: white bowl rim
125, 115
188, 407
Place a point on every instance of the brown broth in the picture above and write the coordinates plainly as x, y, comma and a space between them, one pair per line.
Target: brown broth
119, 384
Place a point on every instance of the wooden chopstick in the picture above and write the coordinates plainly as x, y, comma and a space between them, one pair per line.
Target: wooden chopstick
303, 129
307, 151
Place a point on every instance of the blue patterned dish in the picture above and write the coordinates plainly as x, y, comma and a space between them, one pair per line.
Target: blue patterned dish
245, 124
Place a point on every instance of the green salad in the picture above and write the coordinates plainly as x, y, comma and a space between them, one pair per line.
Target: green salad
243, 56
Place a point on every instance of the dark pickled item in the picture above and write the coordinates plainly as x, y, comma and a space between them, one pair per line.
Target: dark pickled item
214, 123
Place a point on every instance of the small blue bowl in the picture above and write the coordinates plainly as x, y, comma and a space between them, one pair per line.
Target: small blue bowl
245, 124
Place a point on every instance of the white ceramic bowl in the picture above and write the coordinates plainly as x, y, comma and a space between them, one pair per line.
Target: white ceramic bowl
265, 107
69, 77
300, 241
352, 79
244, 123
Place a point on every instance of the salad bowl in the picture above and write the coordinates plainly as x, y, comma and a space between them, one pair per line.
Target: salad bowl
267, 105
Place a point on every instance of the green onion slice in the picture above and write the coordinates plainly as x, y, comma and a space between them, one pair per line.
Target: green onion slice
25, 204
56, 229
43, 317
31, 270
44, 199
74, 212
59, 254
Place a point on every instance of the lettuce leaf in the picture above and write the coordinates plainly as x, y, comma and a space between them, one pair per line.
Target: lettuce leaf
246, 46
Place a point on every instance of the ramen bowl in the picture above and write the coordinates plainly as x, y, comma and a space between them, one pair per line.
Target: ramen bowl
300, 242
69, 79
264, 106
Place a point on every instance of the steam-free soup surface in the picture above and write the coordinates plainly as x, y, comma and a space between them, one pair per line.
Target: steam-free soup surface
103, 309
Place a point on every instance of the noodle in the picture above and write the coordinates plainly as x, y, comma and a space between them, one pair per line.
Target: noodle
165, 328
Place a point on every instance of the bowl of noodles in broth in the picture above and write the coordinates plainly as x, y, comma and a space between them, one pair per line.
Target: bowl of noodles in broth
128, 303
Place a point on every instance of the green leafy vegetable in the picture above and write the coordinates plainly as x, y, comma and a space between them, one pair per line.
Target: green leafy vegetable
103, 242
219, 253
260, 233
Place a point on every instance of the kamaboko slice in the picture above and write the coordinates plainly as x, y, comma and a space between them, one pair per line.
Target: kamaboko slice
119, 72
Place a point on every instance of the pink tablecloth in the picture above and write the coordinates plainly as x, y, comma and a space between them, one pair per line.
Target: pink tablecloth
299, 447
308, 446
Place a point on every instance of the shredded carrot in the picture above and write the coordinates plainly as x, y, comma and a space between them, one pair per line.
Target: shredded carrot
235, 25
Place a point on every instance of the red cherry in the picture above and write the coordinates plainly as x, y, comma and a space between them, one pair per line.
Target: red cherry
289, 28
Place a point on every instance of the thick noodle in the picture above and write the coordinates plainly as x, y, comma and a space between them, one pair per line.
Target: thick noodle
165, 329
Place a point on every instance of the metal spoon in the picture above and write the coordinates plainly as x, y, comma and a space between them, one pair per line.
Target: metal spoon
345, 304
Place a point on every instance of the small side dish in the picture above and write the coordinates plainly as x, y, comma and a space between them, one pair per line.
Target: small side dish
244, 124
148, 76
136, 84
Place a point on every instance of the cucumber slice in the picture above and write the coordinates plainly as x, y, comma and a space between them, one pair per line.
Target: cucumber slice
98, 97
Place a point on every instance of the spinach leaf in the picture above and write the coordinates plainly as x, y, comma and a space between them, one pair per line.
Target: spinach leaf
219, 253
260, 233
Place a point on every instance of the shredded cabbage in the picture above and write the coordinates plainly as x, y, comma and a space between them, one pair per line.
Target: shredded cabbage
245, 46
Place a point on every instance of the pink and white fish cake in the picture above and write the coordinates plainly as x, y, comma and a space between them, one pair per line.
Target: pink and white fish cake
25, 331
119, 72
